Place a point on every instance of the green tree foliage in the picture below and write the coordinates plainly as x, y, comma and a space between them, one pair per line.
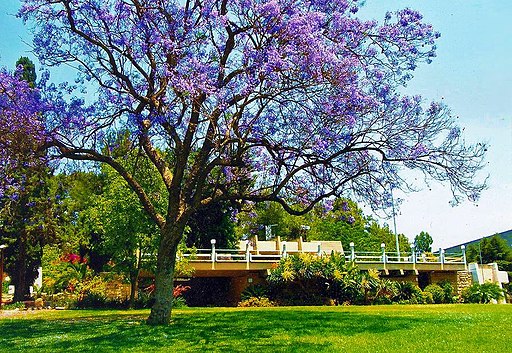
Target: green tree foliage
490, 249
252, 222
27, 223
127, 238
423, 242
213, 221
344, 222
28, 70
382, 234
341, 220
80, 225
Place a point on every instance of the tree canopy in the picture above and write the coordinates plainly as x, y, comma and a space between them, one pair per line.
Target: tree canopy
423, 242
490, 249
289, 101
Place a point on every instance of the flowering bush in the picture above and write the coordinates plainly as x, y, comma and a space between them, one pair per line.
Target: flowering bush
179, 290
63, 272
262, 302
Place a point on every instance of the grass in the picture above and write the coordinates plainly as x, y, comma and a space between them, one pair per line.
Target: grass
426, 328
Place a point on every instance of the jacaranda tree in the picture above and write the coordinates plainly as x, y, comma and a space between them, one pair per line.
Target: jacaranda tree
289, 101
26, 215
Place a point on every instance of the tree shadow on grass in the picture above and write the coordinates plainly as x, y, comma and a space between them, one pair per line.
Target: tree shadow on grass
301, 330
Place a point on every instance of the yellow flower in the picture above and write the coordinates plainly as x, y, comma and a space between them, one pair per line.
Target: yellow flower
337, 275
288, 275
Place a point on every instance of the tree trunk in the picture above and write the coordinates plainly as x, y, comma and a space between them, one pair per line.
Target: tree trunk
134, 279
164, 276
20, 284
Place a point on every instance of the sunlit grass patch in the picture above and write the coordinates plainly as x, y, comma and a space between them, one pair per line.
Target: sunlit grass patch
425, 328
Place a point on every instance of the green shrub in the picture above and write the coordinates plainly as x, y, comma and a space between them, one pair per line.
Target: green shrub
504, 265
256, 291
144, 300
428, 298
261, 302
382, 301
179, 302
5, 286
61, 300
307, 279
14, 306
482, 293
449, 292
92, 301
437, 293
408, 293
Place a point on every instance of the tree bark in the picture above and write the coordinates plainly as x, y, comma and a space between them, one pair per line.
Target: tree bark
134, 279
164, 276
21, 289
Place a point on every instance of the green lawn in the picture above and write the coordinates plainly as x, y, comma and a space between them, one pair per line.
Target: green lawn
426, 328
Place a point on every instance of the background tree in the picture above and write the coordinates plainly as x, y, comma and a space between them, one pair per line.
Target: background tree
254, 218
128, 240
213, 221
423, 242
342, 220
382, 234
489, 250
26, 212
28, 70
300, 98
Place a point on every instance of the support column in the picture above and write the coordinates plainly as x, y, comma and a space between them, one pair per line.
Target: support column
247, 254
463, 248
384, 257
213, 256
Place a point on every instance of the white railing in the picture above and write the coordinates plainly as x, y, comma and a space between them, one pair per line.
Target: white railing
383, 257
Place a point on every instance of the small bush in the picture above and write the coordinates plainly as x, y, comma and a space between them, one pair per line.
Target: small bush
408, 293
449, 292
254, 291
14, 306
437, 293
92, 301
5, 286
261, 302
482, 293
61, 300
39, 303
144, 300
428, 298
382, 301
504, 265
179, 302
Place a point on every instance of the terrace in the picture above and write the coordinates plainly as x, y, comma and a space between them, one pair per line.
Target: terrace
261, 255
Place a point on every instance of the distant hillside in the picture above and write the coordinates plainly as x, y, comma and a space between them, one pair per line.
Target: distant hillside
507, 235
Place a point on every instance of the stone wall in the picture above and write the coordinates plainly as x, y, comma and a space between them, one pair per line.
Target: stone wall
464, 280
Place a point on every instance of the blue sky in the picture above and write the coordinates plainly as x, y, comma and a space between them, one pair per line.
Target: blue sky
472, 74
